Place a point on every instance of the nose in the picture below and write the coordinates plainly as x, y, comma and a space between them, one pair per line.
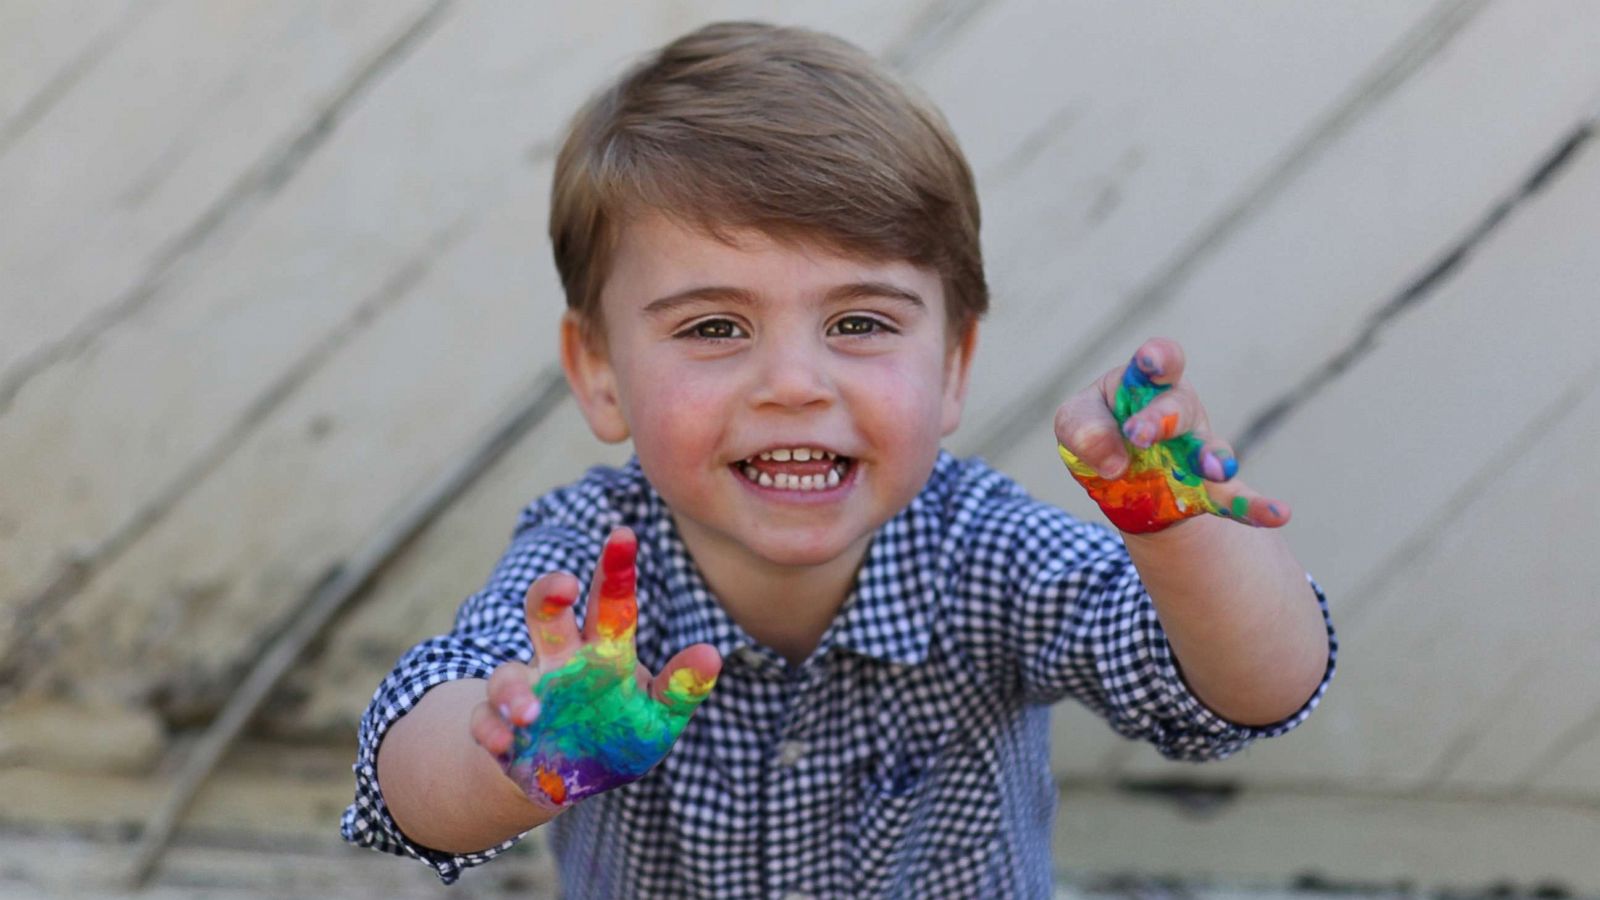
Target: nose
792, 371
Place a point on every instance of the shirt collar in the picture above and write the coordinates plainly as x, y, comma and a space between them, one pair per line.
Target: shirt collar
887, 616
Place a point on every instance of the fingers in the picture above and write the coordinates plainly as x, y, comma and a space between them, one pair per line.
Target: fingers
1214, 461
1086, 427
1238, 501
490, 730
1173, 413
687, 678
551, 625
511, 694
1159, 361
613, 609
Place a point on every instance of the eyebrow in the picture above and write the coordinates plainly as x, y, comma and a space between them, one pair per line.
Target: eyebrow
855, 290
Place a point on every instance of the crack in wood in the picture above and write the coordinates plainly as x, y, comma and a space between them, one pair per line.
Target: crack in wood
933, 28
1419, 44
251, 190
1422, 540
1275, 413
62, 83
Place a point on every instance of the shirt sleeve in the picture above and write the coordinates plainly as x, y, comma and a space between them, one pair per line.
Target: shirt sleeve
1088, 629
490, 629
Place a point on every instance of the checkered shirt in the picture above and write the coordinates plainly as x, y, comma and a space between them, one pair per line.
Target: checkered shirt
907, 757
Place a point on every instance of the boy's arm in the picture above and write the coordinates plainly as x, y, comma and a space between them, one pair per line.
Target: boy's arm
1244, 625
1242, 620
464, 748
443, 790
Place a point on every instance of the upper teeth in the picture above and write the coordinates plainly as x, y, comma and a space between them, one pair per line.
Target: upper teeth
798, 454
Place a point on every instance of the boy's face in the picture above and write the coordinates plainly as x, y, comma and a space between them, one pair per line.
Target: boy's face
795, 348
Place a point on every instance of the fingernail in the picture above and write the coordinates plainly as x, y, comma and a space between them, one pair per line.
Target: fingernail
1276, 512
1212, 467
505, 711
1138, 432
529, 712
1148, 364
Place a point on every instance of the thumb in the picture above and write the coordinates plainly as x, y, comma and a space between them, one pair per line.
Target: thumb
687, 679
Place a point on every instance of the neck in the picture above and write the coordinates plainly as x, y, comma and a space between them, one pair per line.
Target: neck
787, 608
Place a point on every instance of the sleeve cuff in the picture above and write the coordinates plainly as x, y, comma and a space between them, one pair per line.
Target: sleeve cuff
1201, 733
367, 822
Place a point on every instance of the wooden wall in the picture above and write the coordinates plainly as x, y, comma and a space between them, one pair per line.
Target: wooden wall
269, 267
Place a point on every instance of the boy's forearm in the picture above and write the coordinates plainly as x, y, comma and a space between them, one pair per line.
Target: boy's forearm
1241, 618
444, 791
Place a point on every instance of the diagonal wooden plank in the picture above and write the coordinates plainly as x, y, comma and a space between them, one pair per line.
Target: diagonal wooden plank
143, 160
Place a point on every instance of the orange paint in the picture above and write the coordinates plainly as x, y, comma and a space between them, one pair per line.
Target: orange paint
1169, 426
552, 784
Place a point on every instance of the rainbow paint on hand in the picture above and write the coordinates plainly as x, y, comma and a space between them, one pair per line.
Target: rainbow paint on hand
1162, 485
598, 726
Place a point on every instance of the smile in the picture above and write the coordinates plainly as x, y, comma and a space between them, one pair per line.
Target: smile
796, 469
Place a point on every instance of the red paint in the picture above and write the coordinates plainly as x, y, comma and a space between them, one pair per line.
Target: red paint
616, 569
554, 604
552, 784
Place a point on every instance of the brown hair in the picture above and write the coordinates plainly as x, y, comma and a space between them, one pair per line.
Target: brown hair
798, 134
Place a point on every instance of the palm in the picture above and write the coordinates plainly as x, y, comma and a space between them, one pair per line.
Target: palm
1164, 482
600, 726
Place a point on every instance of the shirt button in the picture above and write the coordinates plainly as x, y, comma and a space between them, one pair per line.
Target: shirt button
789, 753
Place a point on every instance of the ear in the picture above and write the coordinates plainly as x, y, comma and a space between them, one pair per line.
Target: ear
957, 365
592, 379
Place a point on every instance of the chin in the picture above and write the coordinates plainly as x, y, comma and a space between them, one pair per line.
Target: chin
789, 553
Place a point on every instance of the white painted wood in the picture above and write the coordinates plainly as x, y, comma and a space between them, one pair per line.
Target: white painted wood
95, 194
1372, 213
45, 45
1481, 638
173, 115
1106, 136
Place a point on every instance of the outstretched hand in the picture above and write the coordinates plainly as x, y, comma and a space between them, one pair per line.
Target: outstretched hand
586, 716
1139, 442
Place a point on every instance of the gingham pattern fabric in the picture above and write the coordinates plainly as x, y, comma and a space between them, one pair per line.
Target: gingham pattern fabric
907, 757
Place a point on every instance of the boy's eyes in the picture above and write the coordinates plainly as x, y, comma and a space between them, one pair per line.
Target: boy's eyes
714, 330
727, 329
852, 325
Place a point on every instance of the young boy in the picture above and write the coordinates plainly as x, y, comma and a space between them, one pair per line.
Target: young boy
770, 254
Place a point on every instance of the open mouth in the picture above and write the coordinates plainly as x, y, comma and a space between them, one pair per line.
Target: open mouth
796, 469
